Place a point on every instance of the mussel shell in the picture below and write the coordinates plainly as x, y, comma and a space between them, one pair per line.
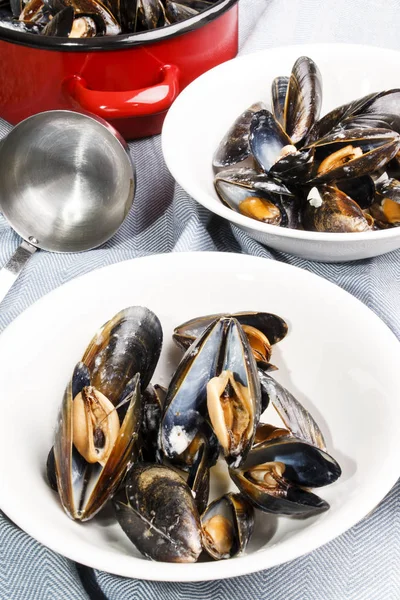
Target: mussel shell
296, 418
157, 512
129, 343
266, 432
372, 120
294, 168
61, 24
234, 146
272, 326
84, 488
278, 97
51, 470
335, 212
151, 419
305, 465
240, 514
185, 403
379, 146
205, 436
332, 119
303, 99
150, 14
177, 12
387, 102
291, 500
267, 139
360, 189
32, 12
199, 476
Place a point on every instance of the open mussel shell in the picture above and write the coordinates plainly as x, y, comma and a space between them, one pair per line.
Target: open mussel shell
237, 189
89, 422
303, 99
267, 489
305, 464
129, 343
352, 153
272, 326
105, 21
227, 526
234, 146
278, 97
372, 121
234, 394
266, 432
158, 513
205, 436
328, 209
294, 168
186, 400
386, 206
296, 418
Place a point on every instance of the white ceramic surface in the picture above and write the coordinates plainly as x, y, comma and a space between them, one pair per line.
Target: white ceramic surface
339, 359
204, 111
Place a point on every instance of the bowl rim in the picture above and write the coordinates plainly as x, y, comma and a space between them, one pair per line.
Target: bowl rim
120, 41
169, 129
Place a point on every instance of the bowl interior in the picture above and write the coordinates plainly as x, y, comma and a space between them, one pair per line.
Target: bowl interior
206, 109
339, 359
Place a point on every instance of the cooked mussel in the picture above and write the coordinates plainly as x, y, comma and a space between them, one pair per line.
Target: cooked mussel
274, 151
127, 344
185, 405
329, 209
106, 23
386, 206
234, 395
158, 513
92, 446
303, 99
268, 490
305, 464
352, 153
273, 327
277, 471
227, 526
217, 377
234, 147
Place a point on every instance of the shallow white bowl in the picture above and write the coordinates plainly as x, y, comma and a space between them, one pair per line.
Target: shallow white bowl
338, 358
205, 110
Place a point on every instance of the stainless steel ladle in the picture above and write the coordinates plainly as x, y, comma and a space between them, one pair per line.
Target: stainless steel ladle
66, 185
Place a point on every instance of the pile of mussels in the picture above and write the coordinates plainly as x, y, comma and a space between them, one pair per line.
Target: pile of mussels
290, 168
90, 18
150, 450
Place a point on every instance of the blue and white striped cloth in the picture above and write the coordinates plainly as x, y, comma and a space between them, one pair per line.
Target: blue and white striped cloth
362, 564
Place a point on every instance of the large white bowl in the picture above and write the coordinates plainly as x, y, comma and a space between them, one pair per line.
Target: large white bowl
338, 358
207, 107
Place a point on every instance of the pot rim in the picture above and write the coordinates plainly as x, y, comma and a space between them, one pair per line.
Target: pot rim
116, 42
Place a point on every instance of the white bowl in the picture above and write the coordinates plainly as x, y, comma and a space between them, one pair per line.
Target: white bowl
338, 358
205, 110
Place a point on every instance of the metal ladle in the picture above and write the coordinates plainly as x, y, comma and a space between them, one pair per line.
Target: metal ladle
66, 185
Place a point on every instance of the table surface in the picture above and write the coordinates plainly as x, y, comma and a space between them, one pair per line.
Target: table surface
364, 562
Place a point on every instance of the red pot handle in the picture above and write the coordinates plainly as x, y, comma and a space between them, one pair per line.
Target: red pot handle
133, 103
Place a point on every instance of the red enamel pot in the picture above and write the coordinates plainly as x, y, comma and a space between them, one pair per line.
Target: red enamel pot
130, 80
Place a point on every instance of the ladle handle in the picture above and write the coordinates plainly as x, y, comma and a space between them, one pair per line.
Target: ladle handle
11, 270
